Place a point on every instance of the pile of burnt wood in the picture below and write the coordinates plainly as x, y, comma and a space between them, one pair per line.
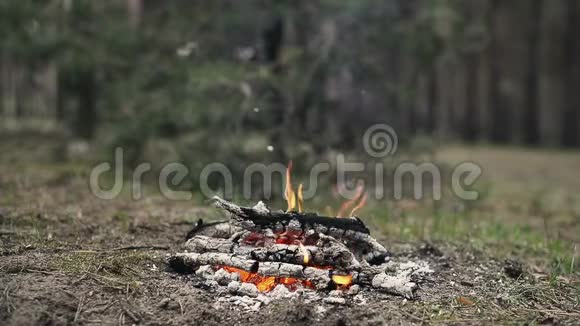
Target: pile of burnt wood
317, 252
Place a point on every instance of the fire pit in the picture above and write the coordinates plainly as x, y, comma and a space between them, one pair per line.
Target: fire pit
290, 253
258, 250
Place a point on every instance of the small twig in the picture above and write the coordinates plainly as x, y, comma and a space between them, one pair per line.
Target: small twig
106, 285
79, 308
573, 262
9, 305
139, 247
130, 314
180, 307
80, 279
92, 321
42, 272
466, 283
108, 278
122, 317
553, 311
102, 309
151, 247
70, 294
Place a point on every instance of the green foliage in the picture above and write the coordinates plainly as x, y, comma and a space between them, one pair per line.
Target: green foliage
178, 75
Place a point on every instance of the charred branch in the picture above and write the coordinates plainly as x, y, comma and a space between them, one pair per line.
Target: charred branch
326, 252
190, 262
219, 229
260, 217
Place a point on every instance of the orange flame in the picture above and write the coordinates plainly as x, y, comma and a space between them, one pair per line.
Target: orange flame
305, 253
267, 283
360, 204
300, 199
289, 194
348, 204
342, 280
295, 200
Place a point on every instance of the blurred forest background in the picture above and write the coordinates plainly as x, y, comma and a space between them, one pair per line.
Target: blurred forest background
202, 81
494, 82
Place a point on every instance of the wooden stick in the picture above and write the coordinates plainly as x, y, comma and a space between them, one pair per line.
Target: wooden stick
327, 252
218, 229
264, 218
191, 261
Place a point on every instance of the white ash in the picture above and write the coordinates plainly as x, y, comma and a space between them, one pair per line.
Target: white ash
234, 286
263, 299
395, 285
354, 289
238, 296
359, 299
243, 289
206, 272
282, 292
249, 289
241, 303
402, 283
262, 208
336, 293
224, 277
399, 278
334, 300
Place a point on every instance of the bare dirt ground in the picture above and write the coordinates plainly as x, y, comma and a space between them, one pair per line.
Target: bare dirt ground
67, 257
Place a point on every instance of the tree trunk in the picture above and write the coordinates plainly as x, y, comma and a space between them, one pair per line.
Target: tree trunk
86, 110
530, 119
510, 68
470, 126
571, 116
431, 123
445, 73
552, 70
135, 10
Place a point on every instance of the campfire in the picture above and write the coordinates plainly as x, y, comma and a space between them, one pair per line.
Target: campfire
259, 250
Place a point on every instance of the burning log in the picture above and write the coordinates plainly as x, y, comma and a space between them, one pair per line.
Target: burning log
320, 278
219, 229
260, 217
351, 230
326, 252
400, 284
270, 248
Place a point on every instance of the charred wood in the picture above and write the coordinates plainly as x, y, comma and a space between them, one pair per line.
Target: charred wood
190, 262
257, 219
327, 252
218, 229
351, 231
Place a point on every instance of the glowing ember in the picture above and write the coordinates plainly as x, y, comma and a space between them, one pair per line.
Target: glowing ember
305, 253
295, 200
289, 237
267, 283
342, 280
